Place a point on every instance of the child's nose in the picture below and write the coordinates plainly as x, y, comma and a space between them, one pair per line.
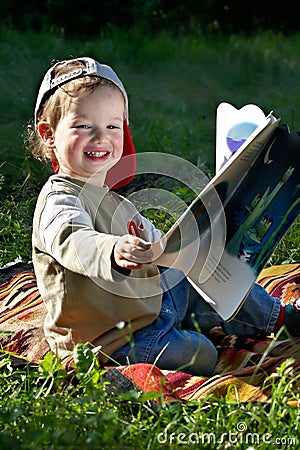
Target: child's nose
100, 135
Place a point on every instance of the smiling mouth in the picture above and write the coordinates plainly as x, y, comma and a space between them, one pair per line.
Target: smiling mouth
96, 154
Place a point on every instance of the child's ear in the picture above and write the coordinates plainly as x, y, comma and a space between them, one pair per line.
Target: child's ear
46, 133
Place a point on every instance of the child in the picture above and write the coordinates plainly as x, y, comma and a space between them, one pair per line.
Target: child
96, 279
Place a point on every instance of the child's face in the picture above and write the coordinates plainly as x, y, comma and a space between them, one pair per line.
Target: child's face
88, 141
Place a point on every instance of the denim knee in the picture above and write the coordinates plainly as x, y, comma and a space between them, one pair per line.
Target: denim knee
164, 342
184, 350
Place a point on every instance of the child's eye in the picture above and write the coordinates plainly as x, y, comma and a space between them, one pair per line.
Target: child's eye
112, 127
85, 127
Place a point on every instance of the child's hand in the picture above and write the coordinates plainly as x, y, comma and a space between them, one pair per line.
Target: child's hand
131, 252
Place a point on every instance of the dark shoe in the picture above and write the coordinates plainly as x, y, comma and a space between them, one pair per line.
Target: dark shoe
292, 317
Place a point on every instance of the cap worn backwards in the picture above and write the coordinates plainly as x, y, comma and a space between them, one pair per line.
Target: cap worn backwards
123, 172
91, 68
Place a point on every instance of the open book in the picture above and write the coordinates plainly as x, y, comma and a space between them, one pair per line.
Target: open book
225, 237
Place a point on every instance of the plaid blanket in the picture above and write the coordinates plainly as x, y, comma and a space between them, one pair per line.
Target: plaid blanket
244, 364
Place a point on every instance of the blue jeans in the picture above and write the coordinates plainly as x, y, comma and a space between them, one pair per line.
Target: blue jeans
174, 341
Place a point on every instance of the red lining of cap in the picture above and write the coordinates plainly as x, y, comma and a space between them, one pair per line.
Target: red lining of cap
123, 172
55, 165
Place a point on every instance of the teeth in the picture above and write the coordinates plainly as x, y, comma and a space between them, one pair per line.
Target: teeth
99, 154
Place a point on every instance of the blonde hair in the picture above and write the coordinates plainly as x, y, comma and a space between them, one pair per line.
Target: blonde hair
57, 104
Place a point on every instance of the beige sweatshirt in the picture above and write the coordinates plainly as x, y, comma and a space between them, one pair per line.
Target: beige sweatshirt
75, 227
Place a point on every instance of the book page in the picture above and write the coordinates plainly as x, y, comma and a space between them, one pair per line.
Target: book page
235, 128
194, 228
258, 215
225, 237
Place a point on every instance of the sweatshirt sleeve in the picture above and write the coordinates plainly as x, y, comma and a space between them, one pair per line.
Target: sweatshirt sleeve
68, 235
153, 234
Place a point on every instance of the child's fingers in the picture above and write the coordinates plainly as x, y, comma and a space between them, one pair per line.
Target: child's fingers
138, 242
138, 255
134, 249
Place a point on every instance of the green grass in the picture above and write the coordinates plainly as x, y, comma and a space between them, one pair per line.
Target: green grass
45, 407
174, 86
